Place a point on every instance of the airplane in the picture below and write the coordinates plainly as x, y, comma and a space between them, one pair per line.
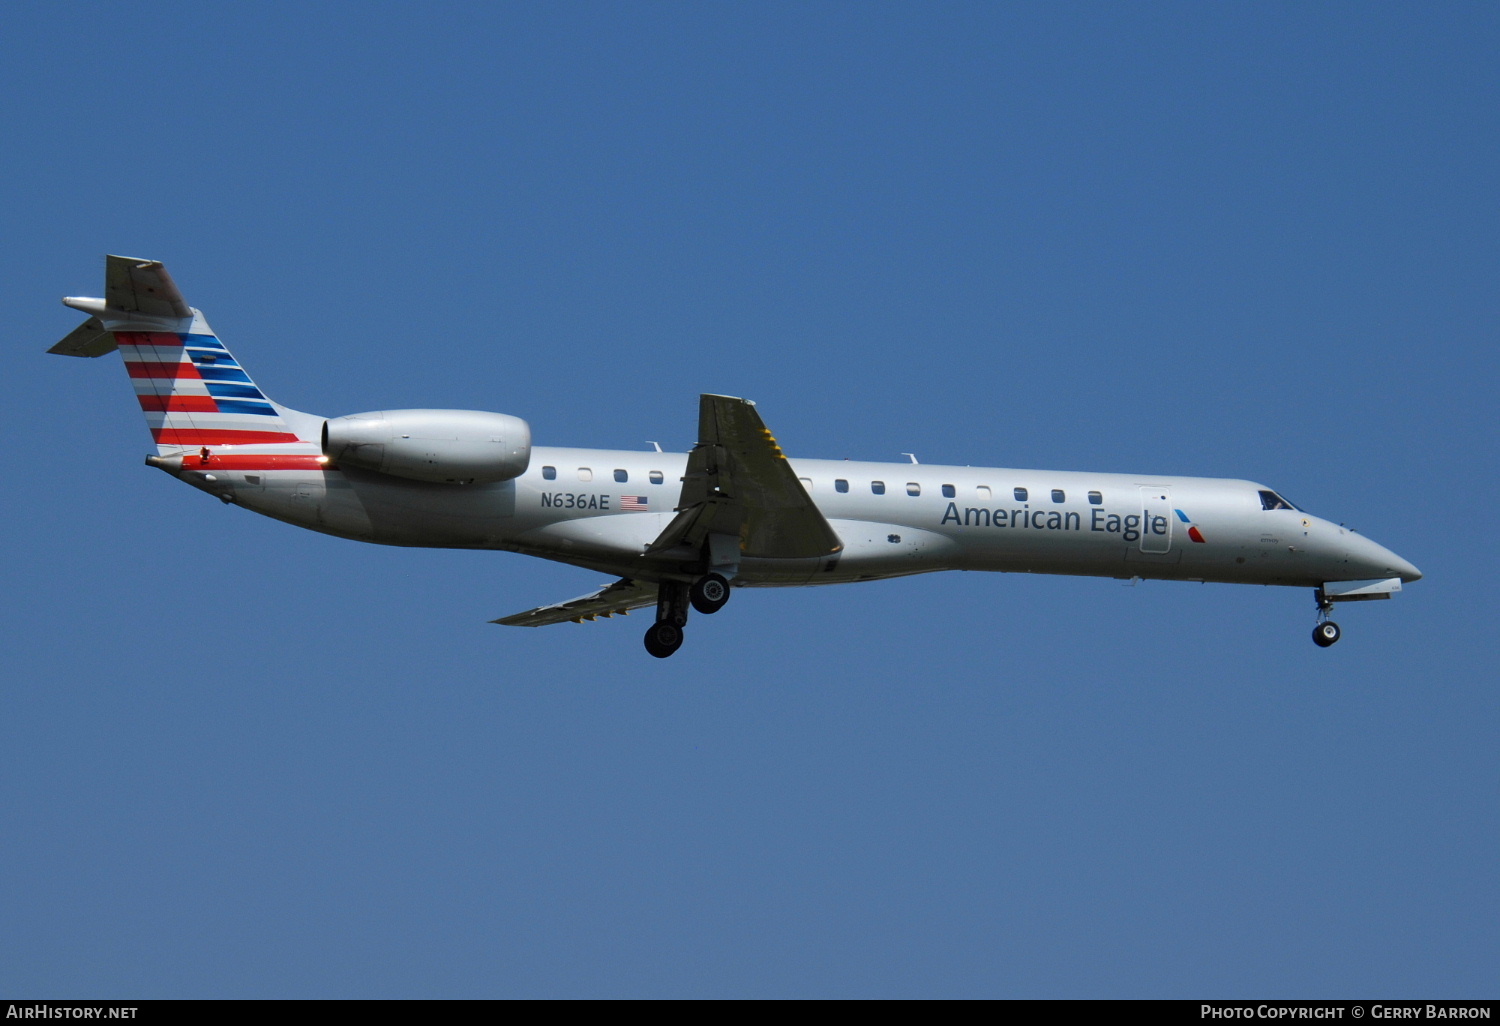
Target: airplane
682, 531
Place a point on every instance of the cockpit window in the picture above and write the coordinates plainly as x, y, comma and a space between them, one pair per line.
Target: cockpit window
1270, 500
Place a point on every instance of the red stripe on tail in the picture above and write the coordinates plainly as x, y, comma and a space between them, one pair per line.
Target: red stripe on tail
176, 436
263, 462
179, 403
181, 371
147, 338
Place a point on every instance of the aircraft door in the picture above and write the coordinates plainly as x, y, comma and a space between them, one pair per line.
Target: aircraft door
1156, 518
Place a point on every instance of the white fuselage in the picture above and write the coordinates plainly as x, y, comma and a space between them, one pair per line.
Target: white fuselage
680, 529
603, 508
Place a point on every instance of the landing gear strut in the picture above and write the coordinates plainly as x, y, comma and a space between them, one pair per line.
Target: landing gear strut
1326, 632
665, 635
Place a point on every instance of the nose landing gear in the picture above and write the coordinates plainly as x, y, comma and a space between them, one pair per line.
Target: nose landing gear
1326, 632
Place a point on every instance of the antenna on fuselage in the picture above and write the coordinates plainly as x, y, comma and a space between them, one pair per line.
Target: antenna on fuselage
911, 456
655, 445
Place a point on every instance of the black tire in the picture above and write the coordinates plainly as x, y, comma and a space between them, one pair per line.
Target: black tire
1326, 633
663, 638
708, 594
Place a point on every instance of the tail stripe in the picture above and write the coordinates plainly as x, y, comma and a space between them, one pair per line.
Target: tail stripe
178, 436
169, 386
228, 391
245, 406
174, 371
194, 393
217, 373
178, 403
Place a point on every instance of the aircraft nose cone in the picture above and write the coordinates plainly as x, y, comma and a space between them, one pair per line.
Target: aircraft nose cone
1376, 560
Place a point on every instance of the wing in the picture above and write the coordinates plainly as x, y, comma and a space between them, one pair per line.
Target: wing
739, 483
619, 597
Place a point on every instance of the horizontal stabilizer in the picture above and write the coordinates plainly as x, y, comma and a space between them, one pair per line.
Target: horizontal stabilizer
142, 287
620, 597
88, 339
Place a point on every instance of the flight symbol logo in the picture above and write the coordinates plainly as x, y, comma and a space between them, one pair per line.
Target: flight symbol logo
1193, 531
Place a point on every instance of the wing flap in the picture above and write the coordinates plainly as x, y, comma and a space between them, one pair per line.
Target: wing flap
620, 597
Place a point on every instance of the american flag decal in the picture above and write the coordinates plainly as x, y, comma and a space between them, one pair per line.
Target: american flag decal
633, 502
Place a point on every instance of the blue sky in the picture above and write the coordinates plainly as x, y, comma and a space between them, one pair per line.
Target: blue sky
1247, 240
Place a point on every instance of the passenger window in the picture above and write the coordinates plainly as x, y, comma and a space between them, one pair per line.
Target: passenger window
912, 488
656, 477
949, 491
1095, 499
1058, 496
549, 473
840, 485
806, 483
622, 476
1020, 495
878, 487
983, 491
585, 474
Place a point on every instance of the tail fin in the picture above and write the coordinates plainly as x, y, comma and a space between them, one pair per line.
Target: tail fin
191, 389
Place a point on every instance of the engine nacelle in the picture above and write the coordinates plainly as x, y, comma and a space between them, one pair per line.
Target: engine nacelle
443, 446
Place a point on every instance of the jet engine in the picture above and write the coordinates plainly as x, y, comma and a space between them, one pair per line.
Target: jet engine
442, 446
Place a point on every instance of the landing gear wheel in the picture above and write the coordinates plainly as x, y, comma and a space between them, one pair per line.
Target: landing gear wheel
708, 594
1326, 633
663, 638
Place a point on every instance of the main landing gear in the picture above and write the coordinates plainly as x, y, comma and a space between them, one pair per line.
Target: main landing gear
1326, 632
707, 595
663, 638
